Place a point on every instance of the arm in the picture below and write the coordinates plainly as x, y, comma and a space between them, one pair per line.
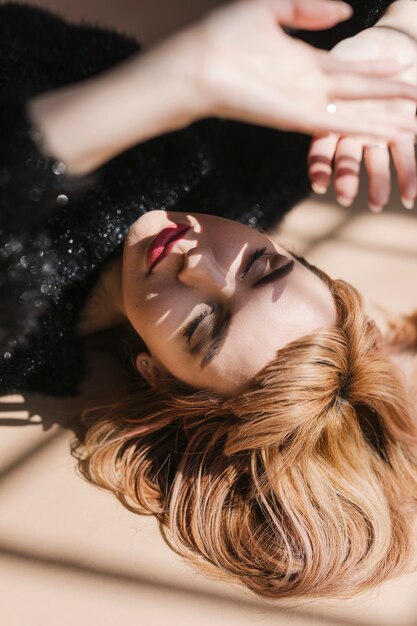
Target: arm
39, 51
88, 123
210, 70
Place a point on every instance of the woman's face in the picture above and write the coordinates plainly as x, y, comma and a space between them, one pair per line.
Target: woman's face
235, 318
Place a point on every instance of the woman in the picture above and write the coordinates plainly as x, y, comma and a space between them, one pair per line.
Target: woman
257, 465
49, 265
300, 483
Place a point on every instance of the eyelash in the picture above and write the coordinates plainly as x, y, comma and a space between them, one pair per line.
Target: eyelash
256, 255
192, 326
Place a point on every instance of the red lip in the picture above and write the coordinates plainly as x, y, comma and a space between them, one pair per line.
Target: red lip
162, 243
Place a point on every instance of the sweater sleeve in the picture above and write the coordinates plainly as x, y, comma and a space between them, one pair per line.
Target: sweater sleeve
33, 184
39, 51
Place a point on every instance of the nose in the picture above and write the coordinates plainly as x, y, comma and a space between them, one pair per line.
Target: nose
202, 271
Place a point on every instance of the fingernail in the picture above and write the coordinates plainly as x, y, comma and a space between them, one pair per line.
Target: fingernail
344, 201
375, 208
317, 188
408, 203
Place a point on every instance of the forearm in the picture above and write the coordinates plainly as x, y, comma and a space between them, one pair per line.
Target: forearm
88, 123
401, 15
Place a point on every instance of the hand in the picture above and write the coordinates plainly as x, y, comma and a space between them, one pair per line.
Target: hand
252, 71
237, 62
346, 152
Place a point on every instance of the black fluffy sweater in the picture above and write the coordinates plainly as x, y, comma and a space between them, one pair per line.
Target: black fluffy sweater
58, 232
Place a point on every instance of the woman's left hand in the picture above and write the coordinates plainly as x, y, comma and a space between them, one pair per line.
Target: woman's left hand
342, 154
252, 71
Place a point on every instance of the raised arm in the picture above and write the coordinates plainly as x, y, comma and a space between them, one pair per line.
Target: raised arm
236, 63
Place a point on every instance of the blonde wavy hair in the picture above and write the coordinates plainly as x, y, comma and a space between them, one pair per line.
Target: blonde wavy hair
305, 485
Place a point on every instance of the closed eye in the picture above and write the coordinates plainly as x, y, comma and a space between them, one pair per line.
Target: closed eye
203, 331
192, 326
198, 328
219, 334
259, 252
209, 334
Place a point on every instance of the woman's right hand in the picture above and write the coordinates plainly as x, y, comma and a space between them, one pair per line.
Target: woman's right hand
250, 70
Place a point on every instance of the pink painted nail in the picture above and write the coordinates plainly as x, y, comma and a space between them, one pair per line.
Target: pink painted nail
317, 188
375, 208
345, 201
408, 203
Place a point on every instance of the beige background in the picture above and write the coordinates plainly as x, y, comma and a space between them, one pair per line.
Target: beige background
69, 553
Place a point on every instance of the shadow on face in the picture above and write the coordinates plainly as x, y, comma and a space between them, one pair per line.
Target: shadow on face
219, 302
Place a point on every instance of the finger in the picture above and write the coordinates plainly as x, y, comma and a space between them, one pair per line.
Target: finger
377, 67
380, 128
404, 123
312, 15
320, 159
364, 88
347, 167
377, 166
404, 157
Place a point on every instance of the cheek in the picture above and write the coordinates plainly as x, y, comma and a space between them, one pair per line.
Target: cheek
158, 315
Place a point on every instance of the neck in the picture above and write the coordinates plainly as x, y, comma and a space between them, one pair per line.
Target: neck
104, 307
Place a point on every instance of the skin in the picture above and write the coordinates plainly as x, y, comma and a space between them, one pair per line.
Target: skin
224, 65
342, 155
203, 269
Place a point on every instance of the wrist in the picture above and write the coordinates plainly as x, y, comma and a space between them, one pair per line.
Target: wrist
168, 76
87, 123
